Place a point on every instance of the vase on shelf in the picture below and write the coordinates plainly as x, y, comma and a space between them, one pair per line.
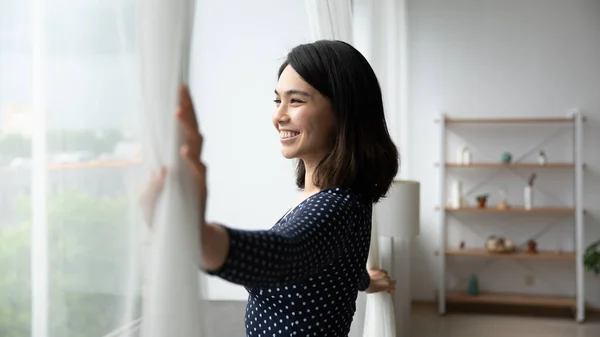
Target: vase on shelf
473, 285
528, 192
456, 194
542, 160
466, 156
528, 197
459, 155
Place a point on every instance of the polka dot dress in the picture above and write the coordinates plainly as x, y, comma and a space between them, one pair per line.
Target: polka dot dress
303, 275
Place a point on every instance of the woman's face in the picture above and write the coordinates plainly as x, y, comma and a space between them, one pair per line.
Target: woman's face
304, 119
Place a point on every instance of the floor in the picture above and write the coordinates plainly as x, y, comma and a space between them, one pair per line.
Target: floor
226, 320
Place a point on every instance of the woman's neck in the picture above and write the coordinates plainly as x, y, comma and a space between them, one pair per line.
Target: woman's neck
309, 185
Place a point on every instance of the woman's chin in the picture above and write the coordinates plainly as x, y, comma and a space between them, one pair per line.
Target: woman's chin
288, 154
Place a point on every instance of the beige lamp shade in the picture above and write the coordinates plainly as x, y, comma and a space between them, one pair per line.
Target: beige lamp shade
398, 214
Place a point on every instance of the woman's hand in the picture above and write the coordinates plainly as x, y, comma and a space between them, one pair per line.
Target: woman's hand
215, 240
192, 149
149, 196
380, 281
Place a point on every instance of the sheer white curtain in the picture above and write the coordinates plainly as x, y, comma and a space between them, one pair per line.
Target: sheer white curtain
330, 19
84, 87
380, 313
69, 168
380, 33
173, 297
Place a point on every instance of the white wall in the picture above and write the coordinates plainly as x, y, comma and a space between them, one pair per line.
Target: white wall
504, 58
238, 47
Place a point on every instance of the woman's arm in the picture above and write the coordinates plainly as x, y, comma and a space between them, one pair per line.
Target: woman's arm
321, 229
365, 281
215, 246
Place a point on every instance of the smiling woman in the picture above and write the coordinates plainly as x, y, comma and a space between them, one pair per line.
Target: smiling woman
304, 274
347, 141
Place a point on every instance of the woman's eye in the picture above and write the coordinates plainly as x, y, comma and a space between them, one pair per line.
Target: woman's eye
296, 101
277, 101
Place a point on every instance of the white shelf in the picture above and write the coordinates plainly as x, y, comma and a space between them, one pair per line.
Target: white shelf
576, 168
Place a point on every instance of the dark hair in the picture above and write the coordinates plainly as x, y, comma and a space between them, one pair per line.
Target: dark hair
364, 157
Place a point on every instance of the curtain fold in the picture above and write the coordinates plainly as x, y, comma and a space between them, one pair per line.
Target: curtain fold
87, 100
172, 300
69, 168
379, 318
330, 19
380, 33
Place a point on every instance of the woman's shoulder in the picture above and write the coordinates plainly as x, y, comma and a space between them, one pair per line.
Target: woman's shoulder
344, 192
343, 197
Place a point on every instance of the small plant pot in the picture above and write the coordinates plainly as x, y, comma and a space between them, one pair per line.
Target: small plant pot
531, 247
482, 203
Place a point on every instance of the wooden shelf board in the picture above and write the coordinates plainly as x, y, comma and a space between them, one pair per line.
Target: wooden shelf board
513, 210
542, 255
511, 299
511, 165
509, 120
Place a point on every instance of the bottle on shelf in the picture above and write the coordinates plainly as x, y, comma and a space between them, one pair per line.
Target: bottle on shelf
466, 156
456, 194
473, 285
528, 193
459, 155
542, 160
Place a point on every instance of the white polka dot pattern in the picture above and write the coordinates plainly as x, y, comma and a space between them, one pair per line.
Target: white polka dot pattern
303, 275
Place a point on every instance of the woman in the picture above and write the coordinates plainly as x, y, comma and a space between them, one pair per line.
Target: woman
304, 274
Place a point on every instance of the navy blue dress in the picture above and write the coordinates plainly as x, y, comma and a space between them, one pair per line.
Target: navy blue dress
303, 275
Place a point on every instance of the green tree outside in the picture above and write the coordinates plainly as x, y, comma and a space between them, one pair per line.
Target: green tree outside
88, 246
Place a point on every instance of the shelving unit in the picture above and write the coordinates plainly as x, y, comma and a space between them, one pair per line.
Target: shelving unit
576, 303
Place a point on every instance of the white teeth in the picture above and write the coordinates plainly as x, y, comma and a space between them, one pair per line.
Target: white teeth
287, 134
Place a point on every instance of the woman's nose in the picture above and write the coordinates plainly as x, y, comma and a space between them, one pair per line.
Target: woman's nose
281, 114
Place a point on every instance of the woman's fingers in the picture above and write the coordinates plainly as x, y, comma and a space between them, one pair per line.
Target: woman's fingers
198, 168
381, 281
377, 273
187, 107
187, 118
392, 286
157, 182
192, 136
151, 193
186, 113
160, 178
